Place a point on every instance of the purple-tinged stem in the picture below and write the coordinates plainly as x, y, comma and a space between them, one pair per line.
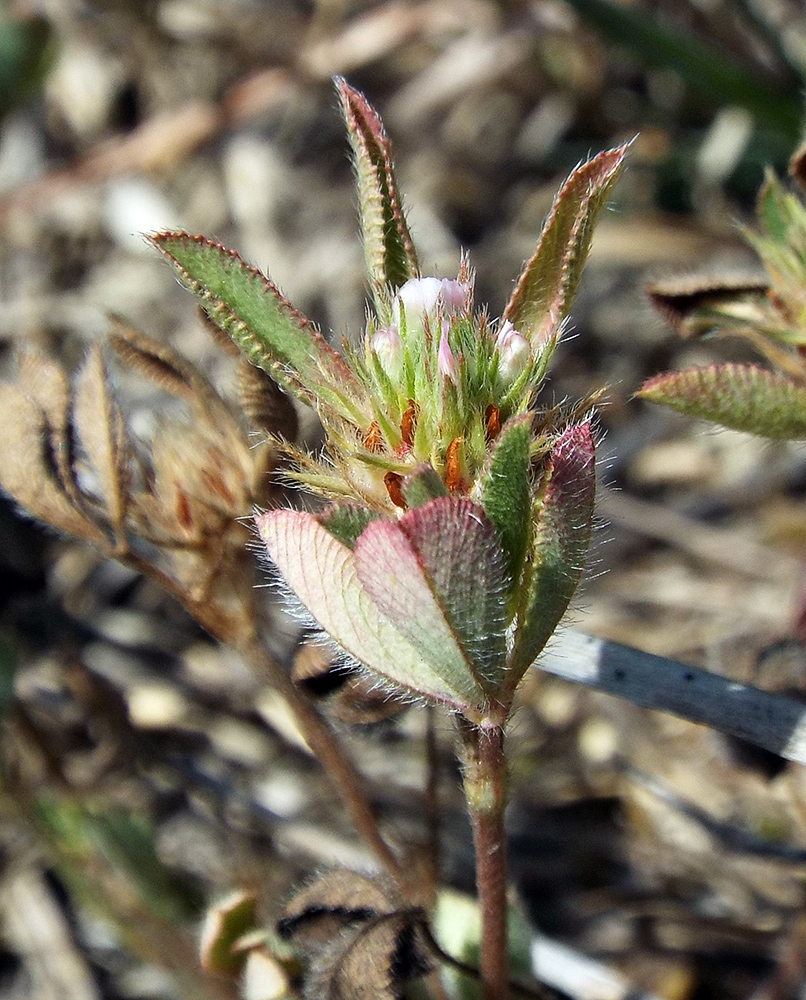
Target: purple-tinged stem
485, 792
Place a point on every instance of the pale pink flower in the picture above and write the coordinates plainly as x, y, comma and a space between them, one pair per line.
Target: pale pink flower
446, 359
514, 352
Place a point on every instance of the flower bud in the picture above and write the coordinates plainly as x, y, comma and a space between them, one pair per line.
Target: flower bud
446, 359
424, 296
514, 352
387, 347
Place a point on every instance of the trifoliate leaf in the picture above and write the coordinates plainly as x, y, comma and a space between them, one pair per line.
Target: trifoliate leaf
745, 397
506, 491
437, 574
564, 516
545, 290
321, 571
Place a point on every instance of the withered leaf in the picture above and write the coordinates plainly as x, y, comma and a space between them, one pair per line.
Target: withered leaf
46, 384
266, 406
102, 433
220, 337
680, 299
160, 363
797, 165
348, 694
373, 962
27, 467
333, 901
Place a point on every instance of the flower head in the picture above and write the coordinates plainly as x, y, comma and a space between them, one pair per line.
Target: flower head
463, 521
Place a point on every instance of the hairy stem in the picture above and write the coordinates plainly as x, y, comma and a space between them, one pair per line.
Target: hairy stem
485, 792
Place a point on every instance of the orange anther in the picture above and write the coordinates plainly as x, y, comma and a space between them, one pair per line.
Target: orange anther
408, 423
394, 487
373, 439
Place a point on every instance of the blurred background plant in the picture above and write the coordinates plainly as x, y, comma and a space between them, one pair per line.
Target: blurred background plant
130, 735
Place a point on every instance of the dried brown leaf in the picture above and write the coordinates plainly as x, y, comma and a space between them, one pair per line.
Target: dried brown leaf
220, 337
266, 406
332, 902
160, 363
679, 299
102, 433
797, 165
373, 962
46, 384
28, 470
348, 695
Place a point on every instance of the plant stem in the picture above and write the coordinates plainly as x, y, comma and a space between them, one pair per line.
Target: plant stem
485, 792
324, 745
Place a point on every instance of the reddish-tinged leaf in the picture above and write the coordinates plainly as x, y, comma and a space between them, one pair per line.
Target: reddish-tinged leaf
745, 397
559, 547
388, 247
438, 575
321, 571
543, 296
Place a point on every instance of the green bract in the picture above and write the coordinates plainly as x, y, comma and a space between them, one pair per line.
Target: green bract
461, 521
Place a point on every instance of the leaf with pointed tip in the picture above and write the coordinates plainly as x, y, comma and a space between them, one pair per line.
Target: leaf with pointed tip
506, 491
545, 290
437, 574
321, 571
269, 330
744, 397
422, 485
777, 209
559, 549
346, 521
388, 247
99, 424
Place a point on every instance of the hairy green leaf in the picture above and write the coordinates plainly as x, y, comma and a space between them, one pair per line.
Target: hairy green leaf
268, 329
545, 290
388, 247
559, 548
346, 521
437, 574
506, 491
422, 485
745, 397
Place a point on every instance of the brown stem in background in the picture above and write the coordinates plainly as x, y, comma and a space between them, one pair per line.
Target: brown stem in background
485, 792
324, 745
432, 795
